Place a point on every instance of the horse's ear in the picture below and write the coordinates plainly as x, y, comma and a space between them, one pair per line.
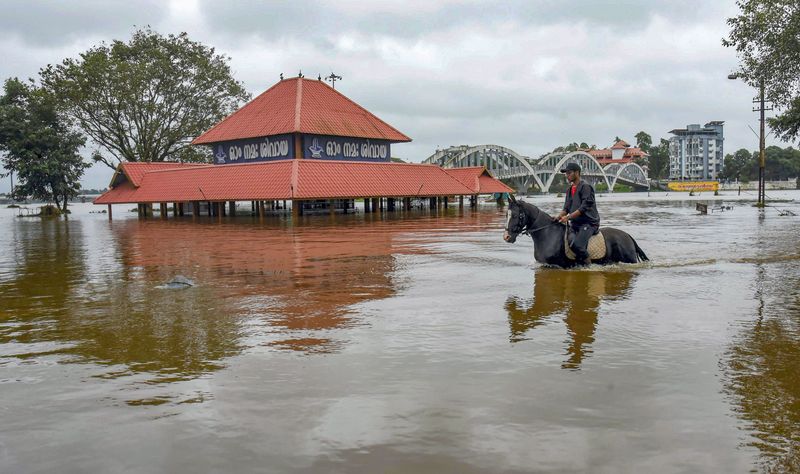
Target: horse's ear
511, 198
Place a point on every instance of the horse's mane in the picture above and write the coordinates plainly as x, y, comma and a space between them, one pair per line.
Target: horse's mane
528, 206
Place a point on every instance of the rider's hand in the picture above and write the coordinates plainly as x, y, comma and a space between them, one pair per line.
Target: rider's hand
564, 219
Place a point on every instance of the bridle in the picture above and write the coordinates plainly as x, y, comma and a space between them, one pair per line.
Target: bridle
523, 222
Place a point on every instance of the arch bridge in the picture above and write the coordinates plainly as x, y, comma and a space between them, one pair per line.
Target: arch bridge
522, 172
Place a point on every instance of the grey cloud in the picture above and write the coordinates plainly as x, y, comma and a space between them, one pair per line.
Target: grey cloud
317, 19
53, 22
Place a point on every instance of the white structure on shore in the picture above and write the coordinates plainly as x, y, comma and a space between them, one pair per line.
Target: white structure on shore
696, 152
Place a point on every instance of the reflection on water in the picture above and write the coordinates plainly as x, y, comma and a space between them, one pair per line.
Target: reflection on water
268, 284
763, 369
117, 317
299, 282
575, 295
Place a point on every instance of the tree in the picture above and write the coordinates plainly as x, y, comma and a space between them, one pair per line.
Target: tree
643, 141
766, 36
146, 99
783, 163
738, 166
39, 145
658, 161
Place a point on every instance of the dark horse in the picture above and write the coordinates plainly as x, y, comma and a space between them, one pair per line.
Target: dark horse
548, 237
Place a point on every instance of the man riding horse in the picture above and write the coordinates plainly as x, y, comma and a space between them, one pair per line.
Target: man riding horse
580, 212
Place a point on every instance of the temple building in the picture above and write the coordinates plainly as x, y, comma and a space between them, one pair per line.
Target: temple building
300, 142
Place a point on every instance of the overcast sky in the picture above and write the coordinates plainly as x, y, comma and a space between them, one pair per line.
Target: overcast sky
528, 75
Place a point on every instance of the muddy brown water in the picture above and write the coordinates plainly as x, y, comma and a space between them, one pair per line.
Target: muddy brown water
400, 344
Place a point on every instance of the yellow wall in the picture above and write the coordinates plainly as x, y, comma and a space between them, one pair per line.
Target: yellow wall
693, 185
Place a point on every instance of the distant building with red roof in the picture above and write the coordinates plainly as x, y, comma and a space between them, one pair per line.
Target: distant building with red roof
300, 140
619, 152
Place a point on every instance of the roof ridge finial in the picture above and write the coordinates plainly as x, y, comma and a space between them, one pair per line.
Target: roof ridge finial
333, 78
300, 74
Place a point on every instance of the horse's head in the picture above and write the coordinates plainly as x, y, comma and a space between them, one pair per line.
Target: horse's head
516, 220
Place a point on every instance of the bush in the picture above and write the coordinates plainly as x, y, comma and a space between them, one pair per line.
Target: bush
49, 211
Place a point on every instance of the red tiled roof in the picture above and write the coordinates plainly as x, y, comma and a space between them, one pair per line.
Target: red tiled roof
251, 181
297, 179
135, 170
605, 153
301, 105
479, 180
620, 144
318, 179
600, 153
606, 161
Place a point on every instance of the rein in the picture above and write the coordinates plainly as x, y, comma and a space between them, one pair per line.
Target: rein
523, 219
528, 232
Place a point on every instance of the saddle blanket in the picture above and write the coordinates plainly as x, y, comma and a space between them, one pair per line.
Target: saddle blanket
596, 247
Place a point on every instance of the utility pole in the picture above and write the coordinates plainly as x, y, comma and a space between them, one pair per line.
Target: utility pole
762, 158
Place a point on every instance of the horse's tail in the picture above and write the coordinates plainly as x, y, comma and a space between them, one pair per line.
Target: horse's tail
639, 252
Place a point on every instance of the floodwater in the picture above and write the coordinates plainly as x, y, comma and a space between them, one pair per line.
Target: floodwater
400, 344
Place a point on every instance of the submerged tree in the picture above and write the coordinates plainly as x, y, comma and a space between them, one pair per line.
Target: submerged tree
766, 36
146, 99
39, 145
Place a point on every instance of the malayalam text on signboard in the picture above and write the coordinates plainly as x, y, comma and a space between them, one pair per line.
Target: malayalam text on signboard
322, 147
277, 147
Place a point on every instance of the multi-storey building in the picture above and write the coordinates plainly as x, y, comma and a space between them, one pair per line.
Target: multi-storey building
695, 152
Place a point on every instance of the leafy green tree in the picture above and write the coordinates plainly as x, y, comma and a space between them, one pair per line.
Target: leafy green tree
39, 145
574, 146
658, 161
644, 141
766, 36
784, 163
145, 100
738, 165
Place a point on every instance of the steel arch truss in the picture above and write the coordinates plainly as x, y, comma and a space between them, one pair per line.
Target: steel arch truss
504, 163
508, 165
550, 165
630, 173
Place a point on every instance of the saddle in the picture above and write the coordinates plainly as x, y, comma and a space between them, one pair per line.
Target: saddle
596, 247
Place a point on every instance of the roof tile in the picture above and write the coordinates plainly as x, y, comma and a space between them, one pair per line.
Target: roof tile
301, 179
301, 105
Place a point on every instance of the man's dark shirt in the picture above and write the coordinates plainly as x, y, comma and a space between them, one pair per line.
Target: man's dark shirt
583, 201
